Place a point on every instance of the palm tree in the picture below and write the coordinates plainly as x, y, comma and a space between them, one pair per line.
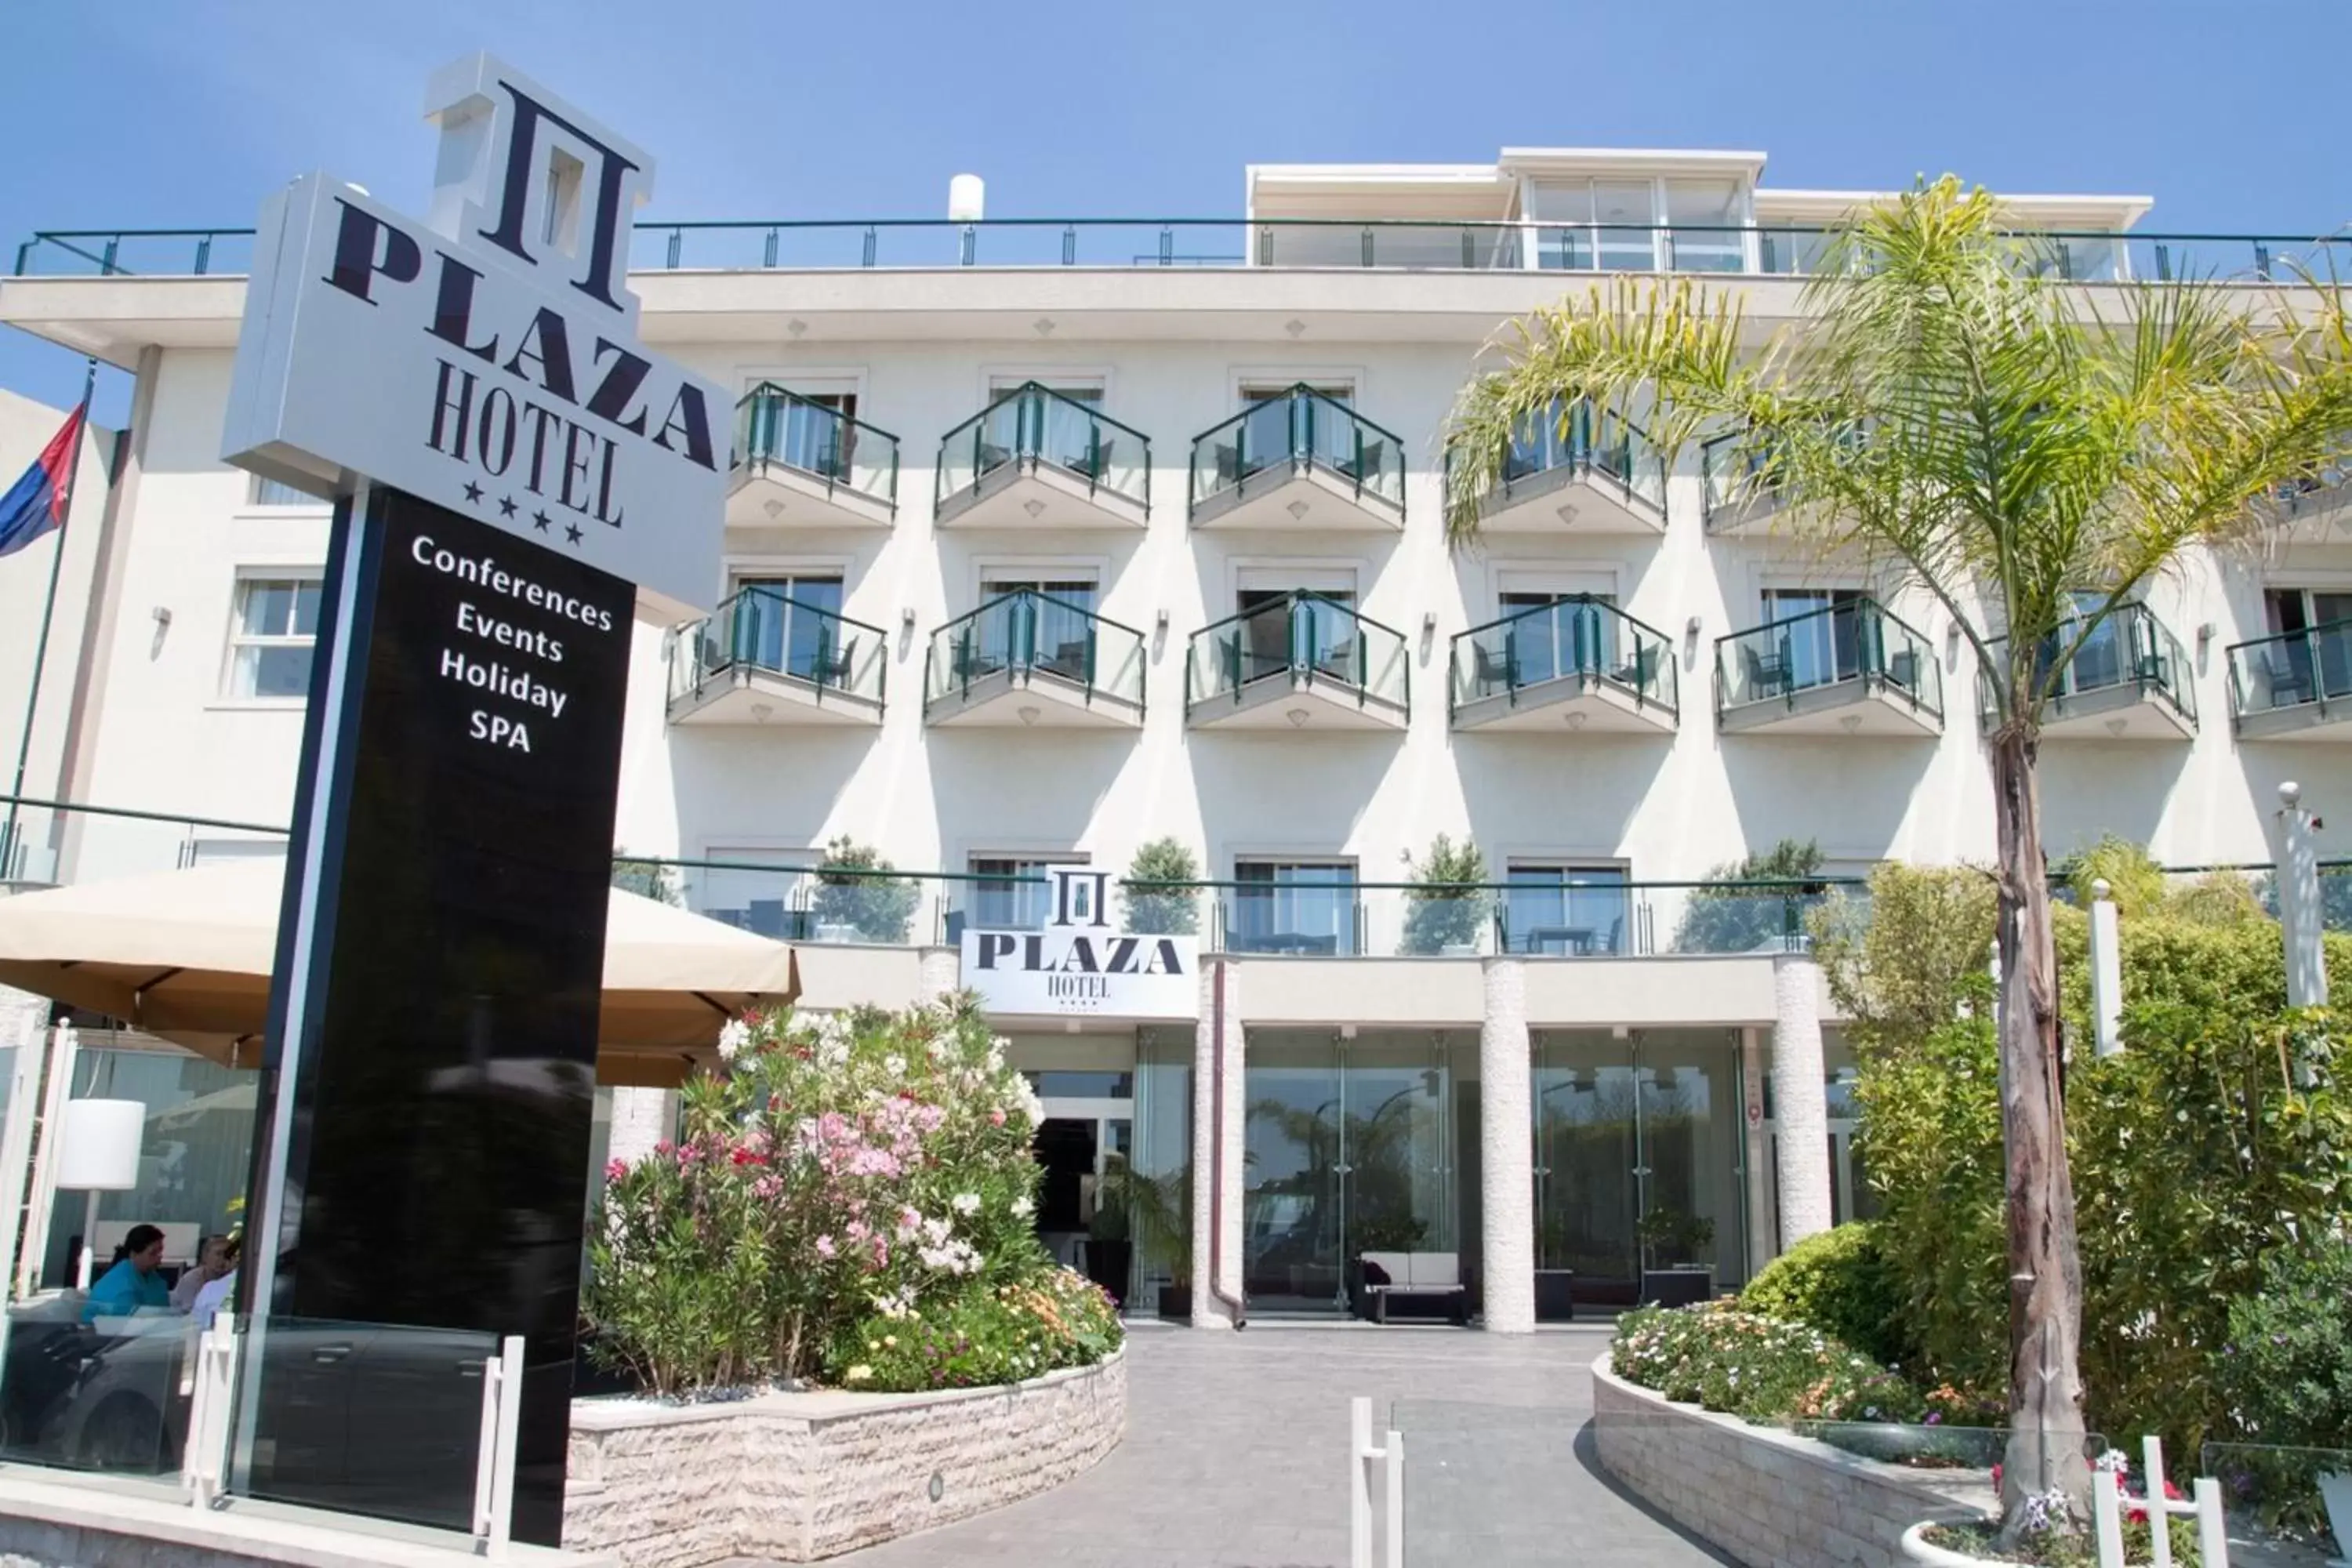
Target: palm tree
2028, 453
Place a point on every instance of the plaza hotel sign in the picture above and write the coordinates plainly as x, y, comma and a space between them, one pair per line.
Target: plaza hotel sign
1078, 963
486, 360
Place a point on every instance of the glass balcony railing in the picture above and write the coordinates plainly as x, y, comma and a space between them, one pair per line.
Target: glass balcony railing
1301, 429
768, 630
1734, 480
1856, 641
2130, 650
1582, 442
1033, 426
1770, 249
773, 426
1300, 637
1579, 638
2292, 669
1026, 634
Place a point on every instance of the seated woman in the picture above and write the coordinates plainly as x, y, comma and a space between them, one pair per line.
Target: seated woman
134, 1282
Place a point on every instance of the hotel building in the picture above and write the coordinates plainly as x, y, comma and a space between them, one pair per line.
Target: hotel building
1048, 540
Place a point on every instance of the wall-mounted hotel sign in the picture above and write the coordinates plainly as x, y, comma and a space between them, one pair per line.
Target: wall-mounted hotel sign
1079, 963
517, 480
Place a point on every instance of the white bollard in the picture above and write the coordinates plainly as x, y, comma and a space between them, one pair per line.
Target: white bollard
2107, 972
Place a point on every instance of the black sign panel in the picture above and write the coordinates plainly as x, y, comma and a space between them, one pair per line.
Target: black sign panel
431, 1104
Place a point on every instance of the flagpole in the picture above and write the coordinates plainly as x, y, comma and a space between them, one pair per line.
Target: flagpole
8, 845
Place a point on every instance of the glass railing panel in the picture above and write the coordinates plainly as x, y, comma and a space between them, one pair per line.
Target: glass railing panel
1039, 425
1856, 641
382, 1419
1733, 918
87, 1389
2293, 668
772, 425
1624, 450
2276, 1498
1579, 917
767, 630
1304, 635
1335, 438
1573, 638
174, 253
1037, 633
1707, 248
1154, 909
804, 902
1304, 917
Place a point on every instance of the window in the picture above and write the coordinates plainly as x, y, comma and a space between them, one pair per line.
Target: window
1557, 907
1575, 636
1824, 648
1705, 218
1300, 907
1589, 223
271, 492
1278, 632
1012, 893
787, 624
275, 625
2317, 662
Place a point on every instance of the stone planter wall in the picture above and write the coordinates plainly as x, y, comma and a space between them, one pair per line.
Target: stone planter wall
1770, 1499
797, 1477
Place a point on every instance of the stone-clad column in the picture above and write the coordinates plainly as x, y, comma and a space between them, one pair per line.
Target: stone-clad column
641, 1119
1217, 1152
2300, 910
1800, 1102
1506, 1152
939, 972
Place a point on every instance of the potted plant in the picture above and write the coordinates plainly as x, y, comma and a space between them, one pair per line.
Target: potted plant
2286, 1371
1157, 1215
854, 891
1447, 902
1157, 909
1672, 1239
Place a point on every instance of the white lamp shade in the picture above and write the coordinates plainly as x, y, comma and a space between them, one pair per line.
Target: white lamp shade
98, 1145
966, 199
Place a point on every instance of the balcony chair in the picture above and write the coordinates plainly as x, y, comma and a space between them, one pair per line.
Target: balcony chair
2290, 678
1767, 673
1491, 672
1091, 467
1903, 671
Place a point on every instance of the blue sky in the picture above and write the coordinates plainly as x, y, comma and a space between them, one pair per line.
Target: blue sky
158, 114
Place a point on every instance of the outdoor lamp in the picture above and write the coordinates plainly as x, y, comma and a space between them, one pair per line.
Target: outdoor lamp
97, 1152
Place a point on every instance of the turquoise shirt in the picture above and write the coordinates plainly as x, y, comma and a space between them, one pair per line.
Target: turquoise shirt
122, 1290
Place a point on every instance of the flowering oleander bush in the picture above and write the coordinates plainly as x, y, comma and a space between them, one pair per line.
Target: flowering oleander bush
862, 1167
1760, 1368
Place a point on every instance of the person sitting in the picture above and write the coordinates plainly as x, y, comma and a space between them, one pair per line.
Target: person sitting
212, 1262
133, 1282
217, 1290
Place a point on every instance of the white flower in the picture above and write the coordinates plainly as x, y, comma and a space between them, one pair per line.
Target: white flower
965, 1203
733, 1038
1031, 1106
895, 1066
937, 1231
1022, 1207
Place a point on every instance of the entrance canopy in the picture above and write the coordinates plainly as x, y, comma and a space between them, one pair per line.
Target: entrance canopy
187, 955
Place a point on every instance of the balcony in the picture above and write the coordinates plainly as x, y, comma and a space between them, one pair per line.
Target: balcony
1737, 494
763, 657
2130, 680
1297, 662
1035, 458
1028, 659
2296, 686
1302, 461
1584, 473
798, 464
1852, 668
1577, 662
2319, 510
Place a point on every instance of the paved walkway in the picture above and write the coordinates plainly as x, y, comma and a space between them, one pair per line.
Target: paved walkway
1236, 1458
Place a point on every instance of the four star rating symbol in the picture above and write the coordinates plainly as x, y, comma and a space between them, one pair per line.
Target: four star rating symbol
508, 507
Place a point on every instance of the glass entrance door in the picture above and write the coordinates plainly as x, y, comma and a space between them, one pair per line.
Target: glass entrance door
1351, 1150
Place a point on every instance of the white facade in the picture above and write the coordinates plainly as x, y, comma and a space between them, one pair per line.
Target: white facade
1172, 351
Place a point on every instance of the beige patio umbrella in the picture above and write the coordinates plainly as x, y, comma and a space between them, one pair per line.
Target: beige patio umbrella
187, 955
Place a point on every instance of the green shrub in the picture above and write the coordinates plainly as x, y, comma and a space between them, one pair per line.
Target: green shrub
1163, 911
1837, 1282
1717, 918
876, 905
2286, 1368
1446, 907
1758, 1368
983, 1335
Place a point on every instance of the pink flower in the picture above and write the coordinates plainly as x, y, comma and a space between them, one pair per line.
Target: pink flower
663, 1147
616, 1169
825, 1248
910, 1222
996, 1119
767, 1187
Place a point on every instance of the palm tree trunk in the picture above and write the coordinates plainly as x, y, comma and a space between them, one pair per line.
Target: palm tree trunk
2045, 1271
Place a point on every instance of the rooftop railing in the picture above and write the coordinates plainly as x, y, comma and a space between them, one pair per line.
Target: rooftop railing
1577, 638
2130, 650
1767, 250
767, 629
1301, 635
774, 425
1025, 633
2291, 669
1301, 429
1034, 424
1854, 641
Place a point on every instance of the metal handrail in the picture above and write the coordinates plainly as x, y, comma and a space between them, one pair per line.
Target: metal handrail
1020, 649
2147, 642
1302, 449
1584, 658
2327, 644
829, 669
1871, 619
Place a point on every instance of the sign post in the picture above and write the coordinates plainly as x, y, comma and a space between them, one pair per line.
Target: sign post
518, 481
